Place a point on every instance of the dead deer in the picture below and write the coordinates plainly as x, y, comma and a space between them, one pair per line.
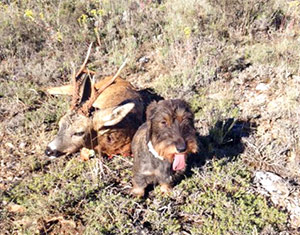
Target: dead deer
103, 116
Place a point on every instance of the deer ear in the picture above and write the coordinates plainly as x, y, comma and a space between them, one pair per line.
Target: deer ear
85, 89
98, 102
111, 116
62, 90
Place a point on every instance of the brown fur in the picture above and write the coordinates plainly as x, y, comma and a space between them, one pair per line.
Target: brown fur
116, 93
117, 139
169, 126
109, 139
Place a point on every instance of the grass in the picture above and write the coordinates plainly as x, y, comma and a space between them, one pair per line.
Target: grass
213, 54
212, 197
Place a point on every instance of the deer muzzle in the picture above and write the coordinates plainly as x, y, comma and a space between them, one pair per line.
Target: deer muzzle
52, 152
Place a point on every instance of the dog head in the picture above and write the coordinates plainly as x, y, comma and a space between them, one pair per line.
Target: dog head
170, 131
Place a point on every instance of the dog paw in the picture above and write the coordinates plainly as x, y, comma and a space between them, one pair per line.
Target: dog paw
165, 188
137, 191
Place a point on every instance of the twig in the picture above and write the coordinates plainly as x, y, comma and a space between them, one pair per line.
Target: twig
123, 159
98, 37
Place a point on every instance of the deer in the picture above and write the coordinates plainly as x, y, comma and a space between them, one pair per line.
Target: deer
103, 115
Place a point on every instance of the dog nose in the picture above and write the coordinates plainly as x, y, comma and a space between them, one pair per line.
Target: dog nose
51, 152
181, 147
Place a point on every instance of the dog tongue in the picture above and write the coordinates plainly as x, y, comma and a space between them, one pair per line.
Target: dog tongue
179, 162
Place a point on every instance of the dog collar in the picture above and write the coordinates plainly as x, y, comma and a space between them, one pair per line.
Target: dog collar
154, 153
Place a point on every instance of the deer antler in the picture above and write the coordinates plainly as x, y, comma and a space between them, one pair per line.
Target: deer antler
75, 96
101, 89
85, 60
77, 79
96, 92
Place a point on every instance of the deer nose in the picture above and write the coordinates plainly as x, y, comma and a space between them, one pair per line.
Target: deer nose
181, 147
51, 152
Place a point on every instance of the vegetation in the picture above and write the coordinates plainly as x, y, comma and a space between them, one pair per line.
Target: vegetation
237, 64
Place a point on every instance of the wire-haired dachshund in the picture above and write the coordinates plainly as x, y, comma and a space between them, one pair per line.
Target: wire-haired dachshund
161, 144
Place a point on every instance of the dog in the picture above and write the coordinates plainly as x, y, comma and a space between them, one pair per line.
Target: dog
161, 144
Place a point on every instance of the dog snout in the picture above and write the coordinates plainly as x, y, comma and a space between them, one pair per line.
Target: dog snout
181, 147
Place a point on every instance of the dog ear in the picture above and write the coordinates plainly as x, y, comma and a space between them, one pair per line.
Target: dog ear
151, 110
149, 116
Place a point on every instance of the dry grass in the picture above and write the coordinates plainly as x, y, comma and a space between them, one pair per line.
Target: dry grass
235, 62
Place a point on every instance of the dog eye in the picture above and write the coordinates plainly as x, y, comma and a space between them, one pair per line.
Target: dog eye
81, 133
164, 123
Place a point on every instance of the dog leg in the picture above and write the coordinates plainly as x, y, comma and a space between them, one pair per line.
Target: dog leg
138, 189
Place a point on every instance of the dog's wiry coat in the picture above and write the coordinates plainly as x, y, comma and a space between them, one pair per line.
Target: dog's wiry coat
170, 131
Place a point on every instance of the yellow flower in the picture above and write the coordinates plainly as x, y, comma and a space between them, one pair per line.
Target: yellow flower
101, 12
59, 37
293, 4
42, 16
82, 19
93, 12
187, 31
28, 14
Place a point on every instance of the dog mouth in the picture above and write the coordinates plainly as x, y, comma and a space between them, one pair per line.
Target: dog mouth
179, 161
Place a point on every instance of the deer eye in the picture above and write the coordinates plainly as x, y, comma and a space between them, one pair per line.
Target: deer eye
80, 133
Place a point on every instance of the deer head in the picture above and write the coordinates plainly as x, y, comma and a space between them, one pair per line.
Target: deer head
80, 125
